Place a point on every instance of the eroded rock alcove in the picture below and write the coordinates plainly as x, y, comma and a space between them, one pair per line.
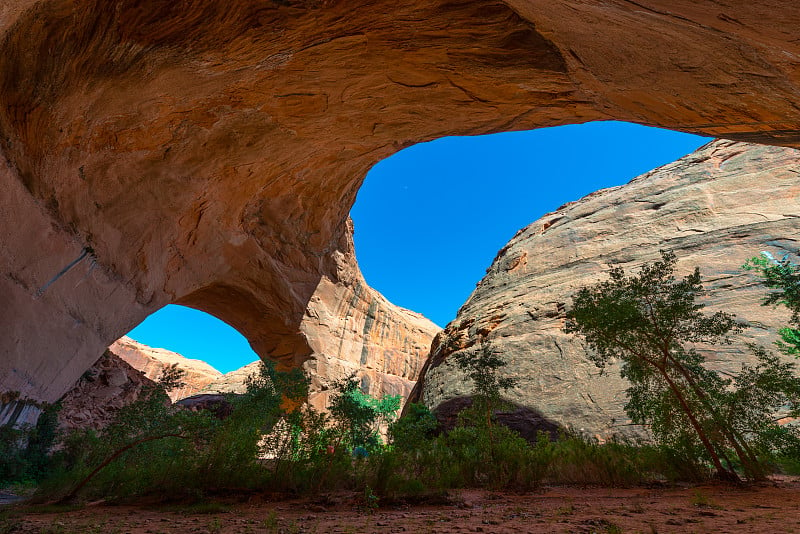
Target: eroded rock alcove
208, 153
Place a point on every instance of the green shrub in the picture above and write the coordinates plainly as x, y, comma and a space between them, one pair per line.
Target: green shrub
413, 430
358, 417
264, 445
25, 451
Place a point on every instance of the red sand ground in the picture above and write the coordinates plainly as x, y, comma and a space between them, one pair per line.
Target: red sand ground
768, 508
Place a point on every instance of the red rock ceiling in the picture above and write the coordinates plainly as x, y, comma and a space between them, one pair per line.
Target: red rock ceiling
208, 153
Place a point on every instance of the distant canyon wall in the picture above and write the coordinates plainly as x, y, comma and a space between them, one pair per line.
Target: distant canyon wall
153, 361
714, 208
208, 153
108, 385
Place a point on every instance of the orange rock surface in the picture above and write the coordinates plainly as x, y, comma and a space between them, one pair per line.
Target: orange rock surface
152, 362
208, 153
107, 386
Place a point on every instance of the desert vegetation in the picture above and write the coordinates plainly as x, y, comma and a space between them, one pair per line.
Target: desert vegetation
267, 440
268, 444
654, 324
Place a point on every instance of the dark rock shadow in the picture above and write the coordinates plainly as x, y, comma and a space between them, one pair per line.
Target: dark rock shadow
527, 422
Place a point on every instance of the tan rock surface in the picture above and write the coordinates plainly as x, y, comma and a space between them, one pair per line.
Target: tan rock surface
354, 329
714, 208
152, 362
110, 384
207, 153
233, 381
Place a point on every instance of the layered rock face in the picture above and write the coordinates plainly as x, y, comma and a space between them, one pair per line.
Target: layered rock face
714, 208
207, 153
110, 384
232, 382
152, 362
354, 330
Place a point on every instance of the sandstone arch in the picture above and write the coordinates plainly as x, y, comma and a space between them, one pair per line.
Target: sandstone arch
175, 149
266, 331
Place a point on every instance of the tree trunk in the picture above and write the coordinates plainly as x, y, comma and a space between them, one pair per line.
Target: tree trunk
71, 495
723, 473
743, 451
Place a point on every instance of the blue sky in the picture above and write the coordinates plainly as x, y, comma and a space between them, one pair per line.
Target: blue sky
430, 219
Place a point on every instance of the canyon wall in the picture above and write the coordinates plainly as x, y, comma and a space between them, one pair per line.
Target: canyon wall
152, 362
208, 153
354, 330
108, 385
714, 208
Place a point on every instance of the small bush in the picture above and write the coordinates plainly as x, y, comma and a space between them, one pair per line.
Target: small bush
415, 429
25, 452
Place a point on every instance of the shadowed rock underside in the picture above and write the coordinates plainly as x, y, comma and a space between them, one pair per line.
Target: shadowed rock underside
207, 153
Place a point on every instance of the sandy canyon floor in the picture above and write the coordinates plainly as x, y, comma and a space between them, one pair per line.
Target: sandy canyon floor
770, 508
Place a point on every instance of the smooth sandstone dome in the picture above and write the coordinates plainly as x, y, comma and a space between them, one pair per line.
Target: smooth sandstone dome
208, 153
714, 208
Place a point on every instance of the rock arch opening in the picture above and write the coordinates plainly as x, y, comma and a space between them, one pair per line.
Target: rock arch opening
195, 335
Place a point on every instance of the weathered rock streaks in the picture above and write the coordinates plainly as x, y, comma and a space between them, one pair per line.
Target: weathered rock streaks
353, 329
208, 153
714, 208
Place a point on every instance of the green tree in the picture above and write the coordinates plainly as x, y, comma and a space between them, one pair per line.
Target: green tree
25, 452
475, 434
483, 367
756, 393
652, 323
783, 277
412, 431
199, 448
359, 416
172, 377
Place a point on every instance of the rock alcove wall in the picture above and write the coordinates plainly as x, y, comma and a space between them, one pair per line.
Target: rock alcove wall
207, 153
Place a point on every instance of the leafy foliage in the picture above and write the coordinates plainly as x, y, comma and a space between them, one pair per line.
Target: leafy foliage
152, 446
651, 322
483, 367
783, 277
172, 377
757, 392
25, 452
411, 431
358, 416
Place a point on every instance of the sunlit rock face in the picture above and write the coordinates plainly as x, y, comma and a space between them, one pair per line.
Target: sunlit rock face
207, 153
152, 362
714, 208
234, 381
354, 330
